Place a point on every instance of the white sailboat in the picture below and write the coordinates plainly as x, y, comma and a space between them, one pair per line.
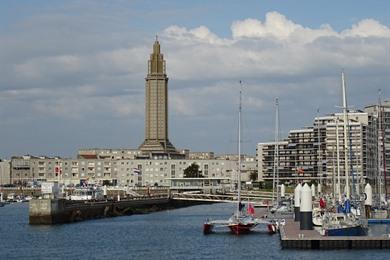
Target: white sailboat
279, 208
343, 223
240, 222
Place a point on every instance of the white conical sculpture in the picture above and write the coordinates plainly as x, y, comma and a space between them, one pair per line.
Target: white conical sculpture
306, 208
282, 191
368, 192
313, 190
297, 201
105, 190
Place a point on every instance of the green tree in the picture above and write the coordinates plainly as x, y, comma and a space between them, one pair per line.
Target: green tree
253, 176
192, 171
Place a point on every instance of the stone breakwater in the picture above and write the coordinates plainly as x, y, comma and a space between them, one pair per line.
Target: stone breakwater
57, 211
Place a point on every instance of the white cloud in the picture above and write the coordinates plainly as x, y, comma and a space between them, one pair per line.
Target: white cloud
367, 28
76, 106
276, 47
200, 34
276, 26
261, 52
38, 68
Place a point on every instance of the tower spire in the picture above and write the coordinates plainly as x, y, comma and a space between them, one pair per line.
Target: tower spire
156, 108
156, 62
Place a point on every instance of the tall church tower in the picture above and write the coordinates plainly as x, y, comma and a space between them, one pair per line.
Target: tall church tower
156, 108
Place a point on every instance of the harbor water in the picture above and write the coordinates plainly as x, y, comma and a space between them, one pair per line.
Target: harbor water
172, 234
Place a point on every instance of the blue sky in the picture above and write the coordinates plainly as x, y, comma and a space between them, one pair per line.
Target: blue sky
217, 15
72, 72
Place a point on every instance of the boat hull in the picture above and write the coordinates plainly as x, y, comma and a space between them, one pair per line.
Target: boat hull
272, 228
241, 228
348, 231
207, 228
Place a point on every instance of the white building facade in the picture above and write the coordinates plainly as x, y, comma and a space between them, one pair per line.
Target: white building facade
121, 172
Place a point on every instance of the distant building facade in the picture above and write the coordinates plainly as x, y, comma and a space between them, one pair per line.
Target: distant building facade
5, 172
115, 154
201, 155
121, 172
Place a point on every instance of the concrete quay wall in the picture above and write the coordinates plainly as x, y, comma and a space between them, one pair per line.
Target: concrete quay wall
291, 237
56, 211
342, 243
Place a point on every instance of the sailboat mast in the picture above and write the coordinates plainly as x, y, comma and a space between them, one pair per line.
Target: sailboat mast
346, 166
275, 178
239, 154
333, 178
277, 149
382, 130
379, 176
338, 159
319, 164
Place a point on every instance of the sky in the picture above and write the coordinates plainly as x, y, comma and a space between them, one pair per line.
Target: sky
72, 73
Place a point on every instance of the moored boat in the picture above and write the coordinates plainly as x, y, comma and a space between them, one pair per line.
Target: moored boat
240, 222
243, 224
2, 204
357, 230
87, 193
341, 224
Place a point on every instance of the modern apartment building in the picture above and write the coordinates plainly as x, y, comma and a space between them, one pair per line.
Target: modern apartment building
347, 156
379, 145
266, 156
311, 153
296, 157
